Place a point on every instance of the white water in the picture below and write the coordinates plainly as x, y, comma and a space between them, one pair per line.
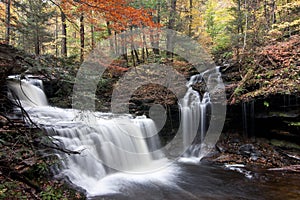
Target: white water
195, 113
113, 146
27, 96
107, 143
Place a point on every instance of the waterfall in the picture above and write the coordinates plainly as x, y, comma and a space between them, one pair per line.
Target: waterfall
109, 143
106, 144
248, 118
27, 94
195, 111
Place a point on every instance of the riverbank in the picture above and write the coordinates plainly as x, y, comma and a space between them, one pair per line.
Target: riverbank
25, 165
256, 153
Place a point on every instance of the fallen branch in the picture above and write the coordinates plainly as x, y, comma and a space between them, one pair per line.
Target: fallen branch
241, 83
294, 168
69, 152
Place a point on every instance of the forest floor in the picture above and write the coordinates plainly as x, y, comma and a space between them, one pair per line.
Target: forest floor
256, 153
24, 168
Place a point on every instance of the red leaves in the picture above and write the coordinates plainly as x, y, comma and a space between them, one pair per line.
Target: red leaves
276, 68
284, 54
116, 11
116, 71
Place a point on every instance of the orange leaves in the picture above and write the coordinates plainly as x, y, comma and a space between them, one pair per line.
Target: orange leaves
118, 12
2, 11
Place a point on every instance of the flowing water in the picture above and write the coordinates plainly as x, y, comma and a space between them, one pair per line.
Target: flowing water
120, 156
195, 112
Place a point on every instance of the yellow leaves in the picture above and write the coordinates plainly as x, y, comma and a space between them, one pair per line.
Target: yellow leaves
2, 10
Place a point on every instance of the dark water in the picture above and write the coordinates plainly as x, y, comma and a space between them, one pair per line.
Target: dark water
203, 181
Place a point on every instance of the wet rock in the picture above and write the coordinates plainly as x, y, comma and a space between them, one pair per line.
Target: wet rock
254, 158
249, 150
132, 106
235, 140
147, 100
221, 148
136, 101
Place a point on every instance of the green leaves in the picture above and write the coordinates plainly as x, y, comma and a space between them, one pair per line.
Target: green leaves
266, 104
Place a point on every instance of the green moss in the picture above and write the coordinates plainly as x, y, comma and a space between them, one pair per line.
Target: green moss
294, 124
279, 114
281, 143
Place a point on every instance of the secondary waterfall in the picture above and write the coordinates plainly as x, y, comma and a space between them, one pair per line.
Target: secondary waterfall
195, 111
107, 143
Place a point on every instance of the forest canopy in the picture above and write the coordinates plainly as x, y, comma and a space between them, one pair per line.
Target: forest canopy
69, 27
235, 32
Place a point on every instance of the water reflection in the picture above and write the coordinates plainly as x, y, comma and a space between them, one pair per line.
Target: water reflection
206, 181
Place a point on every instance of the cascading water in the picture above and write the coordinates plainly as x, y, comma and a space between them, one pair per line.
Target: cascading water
96, 142
195, 111
107, 143
27, 96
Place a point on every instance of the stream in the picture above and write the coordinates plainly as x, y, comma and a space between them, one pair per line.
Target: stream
120, 156
204, 181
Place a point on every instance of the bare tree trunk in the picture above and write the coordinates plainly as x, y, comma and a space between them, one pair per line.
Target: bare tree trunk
145, 45
7, 35
240, 20
171, 25
134, 51
81, 37
273, 12
64, 35
246, 26
56, 35
93, 36
124, 46
266, 13
109, 32
191, 18
133, 60
239, 27
144, 48
155, 39
108, 28
37, 49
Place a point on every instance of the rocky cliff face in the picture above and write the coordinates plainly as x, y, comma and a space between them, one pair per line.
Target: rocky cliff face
263, 91
267, 71
12, 61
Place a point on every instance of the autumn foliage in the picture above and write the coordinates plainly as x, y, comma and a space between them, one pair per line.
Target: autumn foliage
118, 12
273, 69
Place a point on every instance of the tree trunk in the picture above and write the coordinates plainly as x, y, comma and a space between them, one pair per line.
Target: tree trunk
109, 32
191, 18
246, 26
134, 52
93, 36
266, 13
124, 49
156, 43
240, 20
56, 35
64, 35
171, 25
37, 49
273, 12
7, 35
81, 37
